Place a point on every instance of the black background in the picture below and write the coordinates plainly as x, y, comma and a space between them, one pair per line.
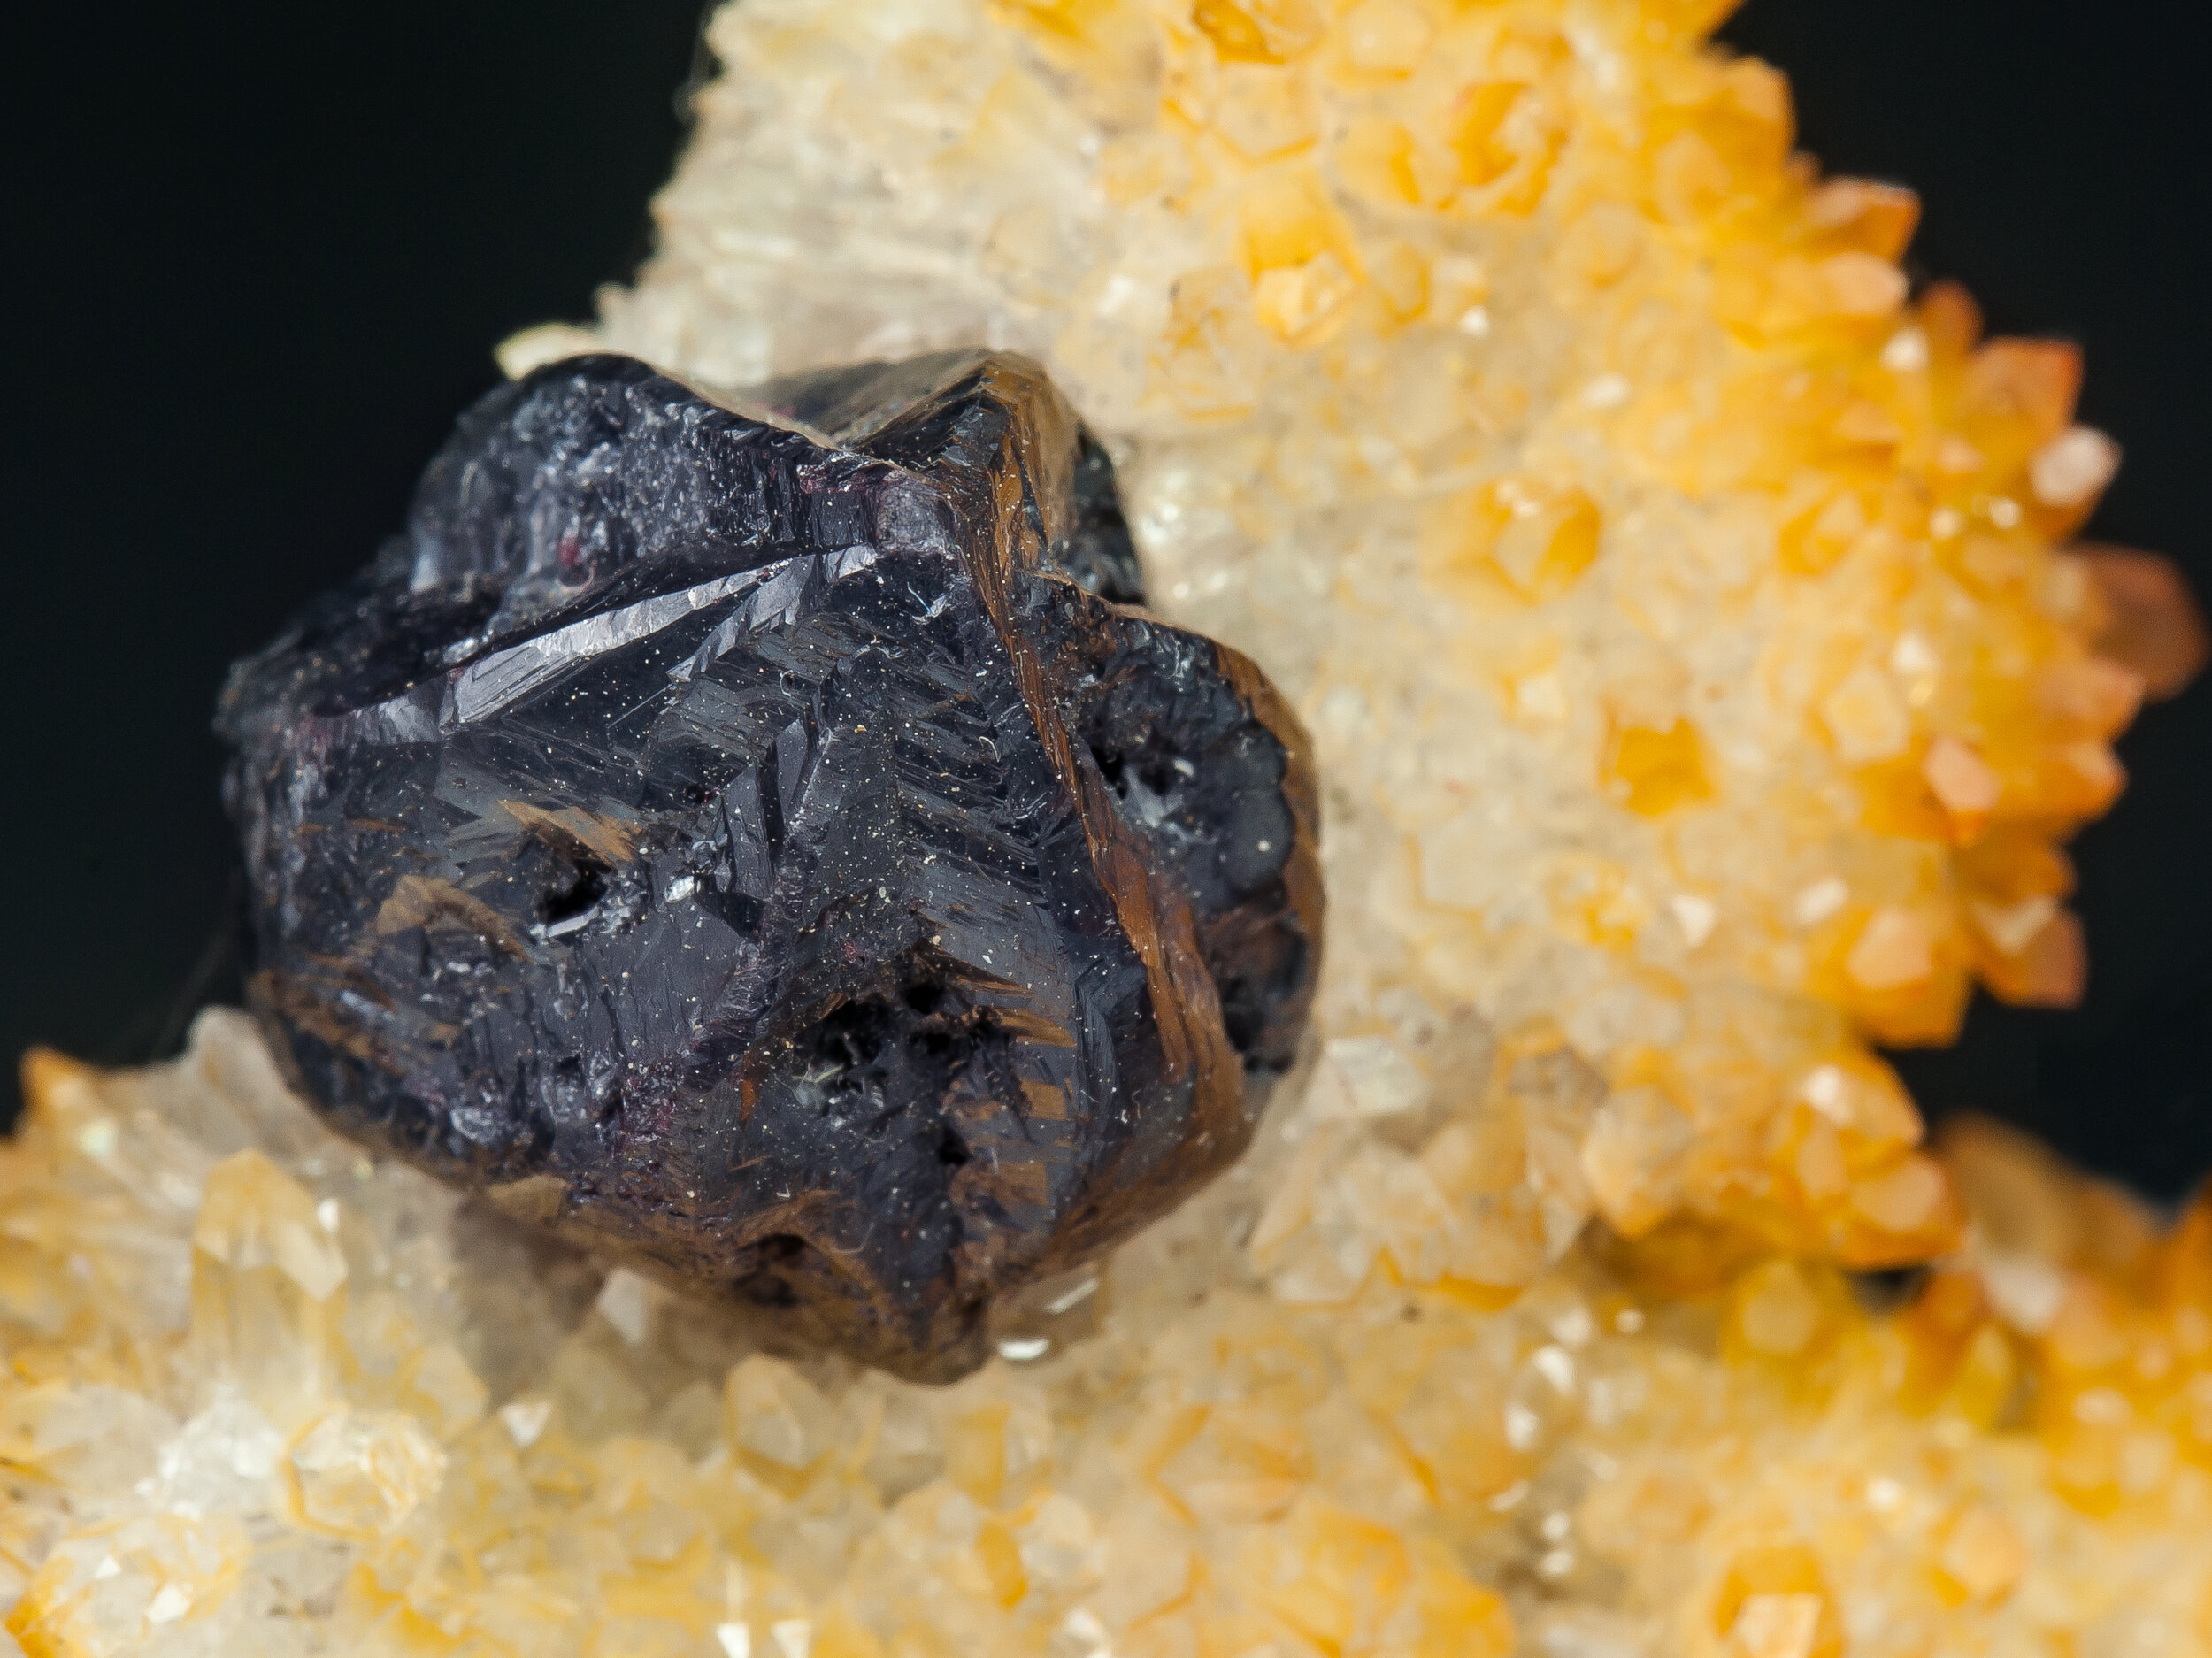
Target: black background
257, 256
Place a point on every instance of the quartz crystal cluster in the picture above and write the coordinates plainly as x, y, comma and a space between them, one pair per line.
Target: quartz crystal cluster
269, 1396
1702, 691
1670, 594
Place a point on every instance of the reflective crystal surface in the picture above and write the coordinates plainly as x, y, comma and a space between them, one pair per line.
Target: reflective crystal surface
747, 834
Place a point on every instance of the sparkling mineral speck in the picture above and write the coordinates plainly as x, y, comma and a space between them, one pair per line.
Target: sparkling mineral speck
747, 834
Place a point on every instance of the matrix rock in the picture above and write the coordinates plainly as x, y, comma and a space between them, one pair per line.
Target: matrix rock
754, 836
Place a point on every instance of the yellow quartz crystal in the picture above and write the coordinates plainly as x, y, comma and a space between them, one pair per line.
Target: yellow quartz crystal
1245, 1432
1701, 694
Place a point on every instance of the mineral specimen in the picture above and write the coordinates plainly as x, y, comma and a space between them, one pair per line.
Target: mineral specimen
746, 842
1699, 685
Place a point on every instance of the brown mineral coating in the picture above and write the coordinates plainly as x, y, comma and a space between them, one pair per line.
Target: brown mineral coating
756, 844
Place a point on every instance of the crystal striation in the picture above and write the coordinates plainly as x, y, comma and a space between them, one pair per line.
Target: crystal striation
748, 836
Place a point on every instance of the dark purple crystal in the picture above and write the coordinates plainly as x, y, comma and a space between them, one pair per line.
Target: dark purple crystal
753, 836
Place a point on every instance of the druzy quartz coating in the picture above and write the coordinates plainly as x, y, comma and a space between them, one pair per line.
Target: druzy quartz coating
755, 836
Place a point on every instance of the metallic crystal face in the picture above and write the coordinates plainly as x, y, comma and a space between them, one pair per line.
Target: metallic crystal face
755, 836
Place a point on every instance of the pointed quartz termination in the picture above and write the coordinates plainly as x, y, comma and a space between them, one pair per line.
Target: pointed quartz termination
754, 836
2146, 618
267, 1288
